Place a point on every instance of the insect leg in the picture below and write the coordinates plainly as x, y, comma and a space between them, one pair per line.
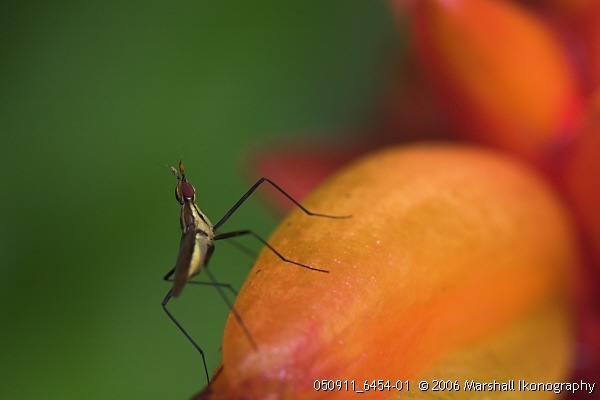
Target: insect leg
228, 235
164, 306
243, 249
233, 310
228, 286
254, 187
168, 275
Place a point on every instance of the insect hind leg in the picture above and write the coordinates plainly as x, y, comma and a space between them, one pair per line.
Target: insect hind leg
228, 235
227, 286
187, 335
236, 315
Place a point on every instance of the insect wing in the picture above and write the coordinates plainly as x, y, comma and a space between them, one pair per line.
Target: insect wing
184, 261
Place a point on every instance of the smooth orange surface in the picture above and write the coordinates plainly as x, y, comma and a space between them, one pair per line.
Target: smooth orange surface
451, 253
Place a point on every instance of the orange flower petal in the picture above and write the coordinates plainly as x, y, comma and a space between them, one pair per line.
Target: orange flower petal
501, 72
453, 256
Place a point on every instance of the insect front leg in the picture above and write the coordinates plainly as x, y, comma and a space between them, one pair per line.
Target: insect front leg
280, 190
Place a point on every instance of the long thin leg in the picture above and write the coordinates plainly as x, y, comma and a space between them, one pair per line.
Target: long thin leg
223, 285
228, 235
243, 249
164, 305
169, 274
168, 278
253, 188
232, 308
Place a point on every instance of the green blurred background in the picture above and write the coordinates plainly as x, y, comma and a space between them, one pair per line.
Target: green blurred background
96, 97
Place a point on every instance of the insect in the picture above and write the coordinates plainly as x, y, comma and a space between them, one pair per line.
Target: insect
197, 246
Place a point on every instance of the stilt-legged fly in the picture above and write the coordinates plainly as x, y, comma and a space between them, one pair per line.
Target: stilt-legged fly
197, 246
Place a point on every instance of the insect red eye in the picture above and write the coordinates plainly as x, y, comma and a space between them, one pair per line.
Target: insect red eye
187, 191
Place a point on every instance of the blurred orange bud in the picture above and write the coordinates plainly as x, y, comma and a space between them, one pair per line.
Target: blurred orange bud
501, 72
576, 24
455, 264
